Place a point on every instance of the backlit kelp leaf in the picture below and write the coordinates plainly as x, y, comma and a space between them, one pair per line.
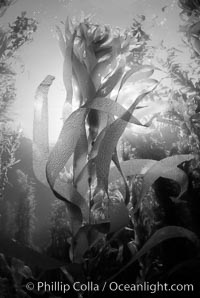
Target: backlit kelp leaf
181, 178
125, 43
114, 42
83, 78
118, 166
89, 56
65, 145
166, 168
89, 170
106, 148
66, 47
67, 70
40, 130
133, 130
107, 63
112, 135
109, 106
195, 28
98, 35
193, 34
66, 192
194, 40
101, 35
69, 29
61, 41
163, 234
58, 158
97, 143
131, 90
131, 167
103, 53
136, 73
93, 121
141, 166
152, 108
30, 257
111, 82
87, 174
80, 154
103, 68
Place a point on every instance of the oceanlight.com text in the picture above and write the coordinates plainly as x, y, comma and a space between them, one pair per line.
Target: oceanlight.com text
151, 287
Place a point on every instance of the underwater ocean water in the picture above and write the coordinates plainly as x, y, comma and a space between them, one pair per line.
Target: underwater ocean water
99, 148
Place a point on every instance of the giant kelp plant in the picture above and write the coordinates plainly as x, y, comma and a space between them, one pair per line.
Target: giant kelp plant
11, 39
113, 208
16, 214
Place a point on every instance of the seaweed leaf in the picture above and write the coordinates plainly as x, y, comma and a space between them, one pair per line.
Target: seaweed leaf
61, 41
66, 192
99, 38
68, 29
67, 71
131, 167
118, 166
116, 211
93, 120
109, 106
66, 47
136, 73
65, 145
87, 174
90, 58
166, 168
194, 40
83, 78
180, 177
58, 158
102, 69
89, 170
111, 82
40, 130
193, 34
80, 154
154, 107
163, 234
109, 142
